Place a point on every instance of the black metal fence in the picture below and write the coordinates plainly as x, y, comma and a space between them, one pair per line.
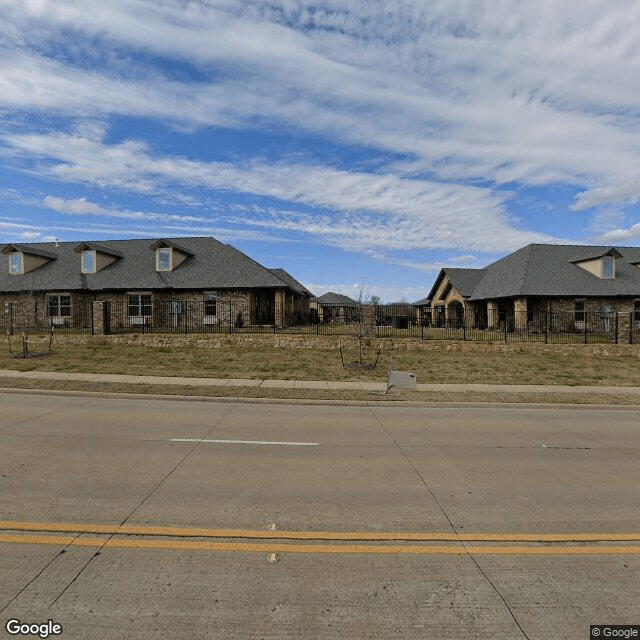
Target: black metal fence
383, 321
547, 327
33, 316
188, 316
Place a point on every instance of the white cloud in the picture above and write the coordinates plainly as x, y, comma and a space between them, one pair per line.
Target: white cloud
355, 210
29, 235
619, 236
81, 206
505, 90
150, 223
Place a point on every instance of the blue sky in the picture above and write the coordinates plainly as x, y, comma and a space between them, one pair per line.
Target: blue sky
355, 144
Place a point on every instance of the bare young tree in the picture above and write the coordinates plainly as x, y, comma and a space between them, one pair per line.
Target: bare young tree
364, 325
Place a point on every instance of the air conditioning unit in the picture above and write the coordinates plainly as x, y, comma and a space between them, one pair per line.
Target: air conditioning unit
59, 321
210, 320
139, 319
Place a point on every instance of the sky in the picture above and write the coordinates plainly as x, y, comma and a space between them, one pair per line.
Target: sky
359, 145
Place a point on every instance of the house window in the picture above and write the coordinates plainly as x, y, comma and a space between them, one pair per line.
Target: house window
88, 262
636, 311
59, 306
139, 304
15, 263
606, 313
580, 312
608, 267
210, 303
164, 259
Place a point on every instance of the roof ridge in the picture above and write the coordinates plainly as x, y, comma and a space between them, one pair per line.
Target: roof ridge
528, 252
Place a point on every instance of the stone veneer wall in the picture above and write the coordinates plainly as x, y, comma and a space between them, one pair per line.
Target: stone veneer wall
288, 341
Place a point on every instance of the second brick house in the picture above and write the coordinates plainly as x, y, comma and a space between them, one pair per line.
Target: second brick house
569, 285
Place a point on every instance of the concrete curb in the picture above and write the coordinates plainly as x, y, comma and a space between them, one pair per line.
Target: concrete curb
306, 401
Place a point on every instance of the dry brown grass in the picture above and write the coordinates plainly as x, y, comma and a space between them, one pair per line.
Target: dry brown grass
316, 364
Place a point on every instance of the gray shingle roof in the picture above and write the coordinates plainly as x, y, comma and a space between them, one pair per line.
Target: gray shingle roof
465, 280
212, 265
550, 270
337, 299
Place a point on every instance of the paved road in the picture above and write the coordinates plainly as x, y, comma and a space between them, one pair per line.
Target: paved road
129, 518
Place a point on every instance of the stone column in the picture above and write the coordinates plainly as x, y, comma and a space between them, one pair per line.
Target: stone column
520, 313
279, 309
369, 314
492, 314
98, 318
625, 324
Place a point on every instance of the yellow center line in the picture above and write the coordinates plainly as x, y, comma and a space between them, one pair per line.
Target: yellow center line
181, 532
279, 547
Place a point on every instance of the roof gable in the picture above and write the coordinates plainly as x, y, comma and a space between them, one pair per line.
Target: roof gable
163, 242
30, 250
463, 281
93, 246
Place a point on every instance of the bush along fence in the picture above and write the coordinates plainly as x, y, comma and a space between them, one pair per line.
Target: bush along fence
403, 320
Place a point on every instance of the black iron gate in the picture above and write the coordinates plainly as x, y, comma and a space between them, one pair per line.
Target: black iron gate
106, 318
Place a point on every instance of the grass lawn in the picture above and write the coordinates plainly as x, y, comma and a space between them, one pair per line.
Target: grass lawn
316, 364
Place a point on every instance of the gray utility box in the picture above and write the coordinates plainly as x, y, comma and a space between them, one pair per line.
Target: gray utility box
402, 380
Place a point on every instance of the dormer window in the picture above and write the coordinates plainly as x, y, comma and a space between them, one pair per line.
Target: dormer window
608, 267
163, 259
88, 262
169, 255
602, 266
15, 264
96, 257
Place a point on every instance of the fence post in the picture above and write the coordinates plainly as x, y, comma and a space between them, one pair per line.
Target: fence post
585, 327
616, 327
631, 327
464, 324
547, 321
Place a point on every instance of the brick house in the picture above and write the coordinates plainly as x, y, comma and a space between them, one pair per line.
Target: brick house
569, 287
144, 283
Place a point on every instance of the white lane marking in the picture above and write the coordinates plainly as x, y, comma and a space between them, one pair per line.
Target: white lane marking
289, 444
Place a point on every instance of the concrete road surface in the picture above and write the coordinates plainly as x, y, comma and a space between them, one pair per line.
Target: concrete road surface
133, 518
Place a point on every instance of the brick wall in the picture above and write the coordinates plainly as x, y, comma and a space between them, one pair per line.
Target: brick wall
30, 312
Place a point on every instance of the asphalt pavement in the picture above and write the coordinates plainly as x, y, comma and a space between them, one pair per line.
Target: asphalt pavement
148, 518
